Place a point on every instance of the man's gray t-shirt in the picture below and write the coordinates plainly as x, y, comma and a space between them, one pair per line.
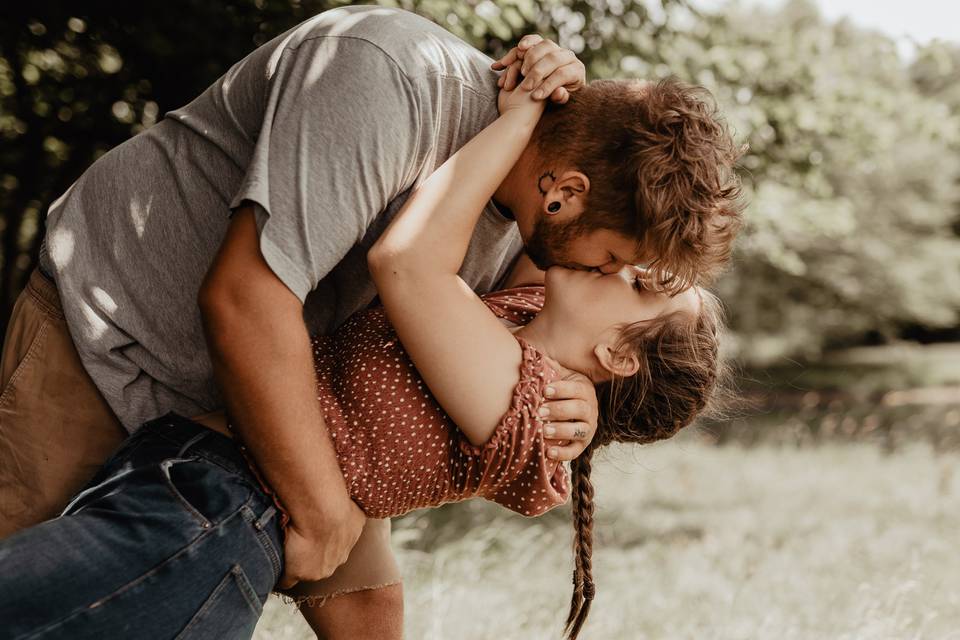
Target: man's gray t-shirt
325, 129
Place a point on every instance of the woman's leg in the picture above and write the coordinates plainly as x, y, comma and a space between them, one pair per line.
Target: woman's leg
172, 538
363, 599
368, 614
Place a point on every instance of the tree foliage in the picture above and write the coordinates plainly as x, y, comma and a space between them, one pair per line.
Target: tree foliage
853, 174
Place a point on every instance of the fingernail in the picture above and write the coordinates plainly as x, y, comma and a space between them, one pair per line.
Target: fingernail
544, 411
538, 94
549, 431
549, 391
553, 452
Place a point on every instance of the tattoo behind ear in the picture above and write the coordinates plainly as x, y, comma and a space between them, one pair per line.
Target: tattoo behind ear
540, 182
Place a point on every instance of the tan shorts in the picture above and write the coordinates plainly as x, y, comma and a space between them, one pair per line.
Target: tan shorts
56, 430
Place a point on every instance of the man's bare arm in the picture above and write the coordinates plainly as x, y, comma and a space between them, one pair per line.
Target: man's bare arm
262, 360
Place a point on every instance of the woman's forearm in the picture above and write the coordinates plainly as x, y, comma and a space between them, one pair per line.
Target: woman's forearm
433, 229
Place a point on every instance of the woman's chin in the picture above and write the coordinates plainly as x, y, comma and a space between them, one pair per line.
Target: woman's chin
554, 275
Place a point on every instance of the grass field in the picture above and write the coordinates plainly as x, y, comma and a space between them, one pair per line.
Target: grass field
839, 540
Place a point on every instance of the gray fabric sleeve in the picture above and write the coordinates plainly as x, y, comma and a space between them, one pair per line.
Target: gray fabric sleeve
340, 139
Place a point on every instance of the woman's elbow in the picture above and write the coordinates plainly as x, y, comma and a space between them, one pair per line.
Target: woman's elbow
380, 263
387, 263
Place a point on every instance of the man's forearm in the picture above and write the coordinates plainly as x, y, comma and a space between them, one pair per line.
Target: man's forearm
263, 363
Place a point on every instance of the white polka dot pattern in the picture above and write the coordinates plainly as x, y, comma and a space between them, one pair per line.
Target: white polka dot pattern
399, 450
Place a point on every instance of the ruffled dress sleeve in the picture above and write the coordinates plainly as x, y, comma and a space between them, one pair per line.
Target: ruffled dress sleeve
516, 472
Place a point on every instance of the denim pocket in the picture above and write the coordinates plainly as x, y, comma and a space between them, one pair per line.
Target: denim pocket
230, 611
172, 466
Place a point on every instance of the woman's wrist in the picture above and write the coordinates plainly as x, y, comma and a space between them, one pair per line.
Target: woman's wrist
526, 113
520, 122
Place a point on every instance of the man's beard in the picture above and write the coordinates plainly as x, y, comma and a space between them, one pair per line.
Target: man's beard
549, 243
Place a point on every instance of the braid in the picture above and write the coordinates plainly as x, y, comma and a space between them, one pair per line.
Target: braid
681, 376
583, 588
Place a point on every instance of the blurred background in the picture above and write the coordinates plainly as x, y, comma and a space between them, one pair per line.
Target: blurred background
827, 505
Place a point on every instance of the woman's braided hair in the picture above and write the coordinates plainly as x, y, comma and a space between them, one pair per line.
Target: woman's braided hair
679, 378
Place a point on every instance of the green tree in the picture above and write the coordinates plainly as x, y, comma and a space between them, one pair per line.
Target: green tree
853, 174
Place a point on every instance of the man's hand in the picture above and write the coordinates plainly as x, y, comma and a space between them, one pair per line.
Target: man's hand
262, 359
310, 556
572, 419
548, 69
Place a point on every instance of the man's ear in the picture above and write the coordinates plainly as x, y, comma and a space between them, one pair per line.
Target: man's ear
569, 191
621, 365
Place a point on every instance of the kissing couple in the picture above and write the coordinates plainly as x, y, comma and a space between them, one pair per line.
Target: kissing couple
354, 277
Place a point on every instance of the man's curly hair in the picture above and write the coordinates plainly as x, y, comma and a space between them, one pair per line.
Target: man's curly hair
661, 162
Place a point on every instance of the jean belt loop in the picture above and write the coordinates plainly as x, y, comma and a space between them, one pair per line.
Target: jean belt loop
192, 441
262, 520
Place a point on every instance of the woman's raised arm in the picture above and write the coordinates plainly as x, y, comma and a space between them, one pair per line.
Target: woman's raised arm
468, 359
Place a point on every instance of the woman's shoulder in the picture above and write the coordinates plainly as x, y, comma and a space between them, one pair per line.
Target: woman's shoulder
536, 366
536, 372
518, 474
519, 305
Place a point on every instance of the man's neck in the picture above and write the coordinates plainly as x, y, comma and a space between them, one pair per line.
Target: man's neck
509, 195
504, 210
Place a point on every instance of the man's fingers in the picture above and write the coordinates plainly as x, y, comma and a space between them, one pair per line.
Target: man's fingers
534, 54
563, 410
529, 40
547, 66
560, 95
565, 75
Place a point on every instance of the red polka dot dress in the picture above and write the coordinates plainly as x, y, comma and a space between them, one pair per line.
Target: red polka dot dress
397, 448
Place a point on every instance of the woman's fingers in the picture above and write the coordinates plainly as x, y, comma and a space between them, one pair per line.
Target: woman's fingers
564, 410
511, 75
570, 418
511, 56
572, 399
566, 453
575, 386
553, 71
566, 440
568, 431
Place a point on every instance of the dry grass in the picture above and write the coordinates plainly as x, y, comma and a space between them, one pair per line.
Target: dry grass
694, 541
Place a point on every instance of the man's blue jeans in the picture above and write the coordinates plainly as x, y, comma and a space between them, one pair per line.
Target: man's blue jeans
173, 538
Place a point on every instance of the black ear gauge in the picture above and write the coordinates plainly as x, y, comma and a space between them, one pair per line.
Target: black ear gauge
553, 207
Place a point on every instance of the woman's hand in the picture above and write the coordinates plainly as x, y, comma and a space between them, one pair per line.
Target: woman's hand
519, 100
548, 69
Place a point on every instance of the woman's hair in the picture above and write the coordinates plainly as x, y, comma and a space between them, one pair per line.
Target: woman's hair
679, 378
661, 162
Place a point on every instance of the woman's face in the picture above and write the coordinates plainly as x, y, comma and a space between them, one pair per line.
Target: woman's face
589, 305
